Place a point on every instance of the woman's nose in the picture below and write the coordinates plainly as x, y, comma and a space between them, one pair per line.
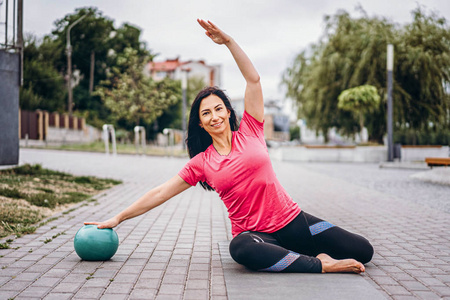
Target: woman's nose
214, 116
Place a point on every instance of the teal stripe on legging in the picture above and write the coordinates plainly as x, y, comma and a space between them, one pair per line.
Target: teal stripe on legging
283, 263
319, 227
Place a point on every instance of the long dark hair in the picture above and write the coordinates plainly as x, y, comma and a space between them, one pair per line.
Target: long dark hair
198, 140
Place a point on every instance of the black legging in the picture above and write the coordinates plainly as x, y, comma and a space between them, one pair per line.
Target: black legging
294, 247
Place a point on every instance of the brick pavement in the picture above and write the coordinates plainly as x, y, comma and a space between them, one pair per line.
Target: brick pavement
172, 252
411, 241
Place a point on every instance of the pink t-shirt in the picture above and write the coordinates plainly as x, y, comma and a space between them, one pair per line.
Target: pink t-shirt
245, 181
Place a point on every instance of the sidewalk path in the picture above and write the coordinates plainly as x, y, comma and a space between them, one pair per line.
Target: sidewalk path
173, 251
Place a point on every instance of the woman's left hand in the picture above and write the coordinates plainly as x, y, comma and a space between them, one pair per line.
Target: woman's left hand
213, 32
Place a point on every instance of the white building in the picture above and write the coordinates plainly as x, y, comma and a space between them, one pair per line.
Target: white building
173, 68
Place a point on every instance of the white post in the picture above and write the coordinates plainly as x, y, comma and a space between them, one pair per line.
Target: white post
170, 136
105, 135
107, 129
143, 140
139, 130
136, 138
113, 137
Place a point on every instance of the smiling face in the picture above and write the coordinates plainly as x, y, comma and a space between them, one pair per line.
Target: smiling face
214, 116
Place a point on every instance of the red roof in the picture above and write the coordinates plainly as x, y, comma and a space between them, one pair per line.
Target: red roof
169, 65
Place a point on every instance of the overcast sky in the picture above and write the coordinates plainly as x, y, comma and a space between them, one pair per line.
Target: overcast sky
272, 32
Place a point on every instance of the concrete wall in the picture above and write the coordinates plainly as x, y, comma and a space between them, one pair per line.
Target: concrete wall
9, 108
71, 136
419, 153
374, 154
355, 154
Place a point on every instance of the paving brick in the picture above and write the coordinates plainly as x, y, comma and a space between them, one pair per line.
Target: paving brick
58, 296
16, 285
174, 279
75, 277
97, 282
426, 295
115, 296
442, 290
403, 297
152, 274
148, 283
26, 276
39, 268
199, 267
168, 297
196, 294
396, 290
34, 292
67, 287
219, 290
143, 294
171, 289
7, 294
57, 272
382, 280
119, 288
178, 240
195, 284
198, 275
125, 278
431, 281
45, 281
89, 293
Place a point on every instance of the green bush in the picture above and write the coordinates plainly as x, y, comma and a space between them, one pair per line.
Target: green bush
74, 197
32, 170
43, 200
12, 193
407, 136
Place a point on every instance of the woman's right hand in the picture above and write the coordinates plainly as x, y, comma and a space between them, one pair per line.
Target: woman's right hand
214, 33
111, 223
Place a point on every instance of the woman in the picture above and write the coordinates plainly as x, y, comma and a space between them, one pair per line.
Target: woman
270, 231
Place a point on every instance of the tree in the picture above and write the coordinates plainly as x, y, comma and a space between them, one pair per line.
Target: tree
132, 96
353, 53
359, 100
91, 34
96, 45
43, 86
423, 71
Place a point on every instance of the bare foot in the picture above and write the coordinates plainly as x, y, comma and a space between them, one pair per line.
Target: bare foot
330, 265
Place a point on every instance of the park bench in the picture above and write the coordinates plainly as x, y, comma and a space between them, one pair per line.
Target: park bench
437, 161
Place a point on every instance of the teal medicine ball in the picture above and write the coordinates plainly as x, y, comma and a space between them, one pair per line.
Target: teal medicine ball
91, 243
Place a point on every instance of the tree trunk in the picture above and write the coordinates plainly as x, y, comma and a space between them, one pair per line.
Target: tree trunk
91, 77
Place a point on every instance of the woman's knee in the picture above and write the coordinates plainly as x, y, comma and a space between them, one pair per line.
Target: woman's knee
241, 248
365, 251
255, 250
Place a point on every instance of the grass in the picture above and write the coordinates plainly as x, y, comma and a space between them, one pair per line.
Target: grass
121, 149
30, 193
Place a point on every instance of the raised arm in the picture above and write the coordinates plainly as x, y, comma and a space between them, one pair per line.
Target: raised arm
150, 200
254, 103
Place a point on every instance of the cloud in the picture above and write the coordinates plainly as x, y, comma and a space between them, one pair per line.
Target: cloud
271, 32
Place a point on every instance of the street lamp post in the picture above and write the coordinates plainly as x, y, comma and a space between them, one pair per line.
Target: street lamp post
390, 67
184, 84
69, 65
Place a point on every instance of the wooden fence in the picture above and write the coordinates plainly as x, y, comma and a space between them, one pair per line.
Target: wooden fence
34, 124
